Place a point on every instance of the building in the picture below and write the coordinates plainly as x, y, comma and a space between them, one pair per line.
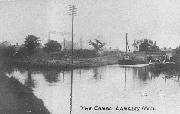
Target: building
145, 45
68, 45
146, 49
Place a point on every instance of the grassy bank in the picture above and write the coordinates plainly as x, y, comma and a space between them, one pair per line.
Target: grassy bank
66, 64
16, 98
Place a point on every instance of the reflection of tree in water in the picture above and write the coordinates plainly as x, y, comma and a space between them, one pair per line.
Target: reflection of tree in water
168, 73
80, 73
178, 74
51, 76
178, 77
97, 73
7, 69
143, 73
21, 70
154, 72
172, 74
29, 82
135, 70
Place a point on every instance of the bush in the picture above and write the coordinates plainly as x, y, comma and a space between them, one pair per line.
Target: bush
52, 46
8, 51
22, 52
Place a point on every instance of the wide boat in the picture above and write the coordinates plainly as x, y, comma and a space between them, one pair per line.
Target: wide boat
162, 65
126, 61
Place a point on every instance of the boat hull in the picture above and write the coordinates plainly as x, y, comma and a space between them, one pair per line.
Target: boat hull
126, 62
162, 65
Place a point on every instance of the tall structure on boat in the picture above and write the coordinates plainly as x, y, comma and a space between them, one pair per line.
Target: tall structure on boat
126, 59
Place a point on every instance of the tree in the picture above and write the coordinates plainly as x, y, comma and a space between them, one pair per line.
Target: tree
7, 51
31, 43
10, 51
97, 45
52, 46
178, 50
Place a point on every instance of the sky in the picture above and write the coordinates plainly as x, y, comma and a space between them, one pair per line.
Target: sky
107, 20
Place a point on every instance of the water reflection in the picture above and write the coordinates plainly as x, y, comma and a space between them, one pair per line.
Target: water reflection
51, 76
29, 82
71, 92
108, 85
97, 73
155, 72
125, 78
143, 74
80, 72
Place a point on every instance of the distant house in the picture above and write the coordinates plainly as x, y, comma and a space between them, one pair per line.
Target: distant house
146, 45
68, 45
146, 48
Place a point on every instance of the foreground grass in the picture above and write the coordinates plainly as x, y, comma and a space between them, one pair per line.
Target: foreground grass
16, 98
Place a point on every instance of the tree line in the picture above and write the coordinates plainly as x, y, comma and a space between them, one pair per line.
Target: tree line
52, 49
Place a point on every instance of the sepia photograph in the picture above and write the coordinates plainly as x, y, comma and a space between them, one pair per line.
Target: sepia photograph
89, 57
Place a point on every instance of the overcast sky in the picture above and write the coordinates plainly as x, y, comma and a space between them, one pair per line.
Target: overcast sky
158, 20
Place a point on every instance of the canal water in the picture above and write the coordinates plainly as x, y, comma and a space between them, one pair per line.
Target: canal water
120, 90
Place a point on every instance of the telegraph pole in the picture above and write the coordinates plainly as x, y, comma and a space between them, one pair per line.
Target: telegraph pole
126, 43
64, 45
72, 12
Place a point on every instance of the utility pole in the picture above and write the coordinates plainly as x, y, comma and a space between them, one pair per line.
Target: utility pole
72, 12
64, 43
49, 35
126, 43
81, 42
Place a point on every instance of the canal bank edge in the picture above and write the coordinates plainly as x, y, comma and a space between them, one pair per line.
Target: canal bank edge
65, 64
